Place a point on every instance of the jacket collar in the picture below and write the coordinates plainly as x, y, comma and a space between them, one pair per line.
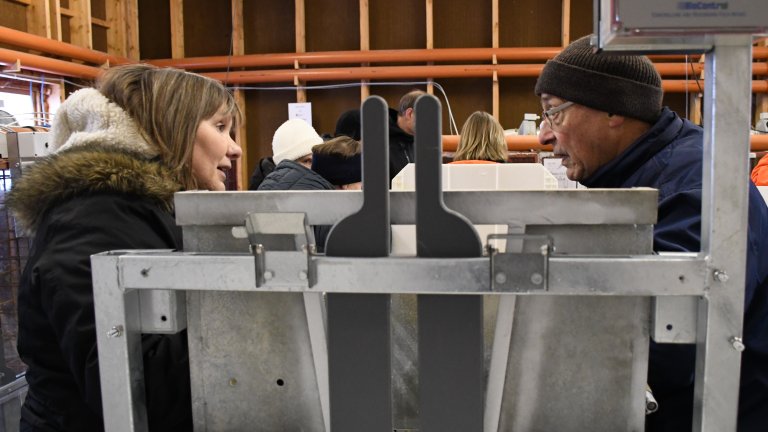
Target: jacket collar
616, 172
88, 169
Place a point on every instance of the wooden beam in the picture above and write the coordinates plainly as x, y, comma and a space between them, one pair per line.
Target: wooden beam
80, 30
131, 16
365, 44
301, 46
238, 48
177, 28
23, 2
55, 19
101, 23
39, 18
761, 100
566, 23
495, 44
430, 40
115, 11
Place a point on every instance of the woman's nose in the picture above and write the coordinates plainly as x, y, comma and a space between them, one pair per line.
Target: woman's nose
234, 151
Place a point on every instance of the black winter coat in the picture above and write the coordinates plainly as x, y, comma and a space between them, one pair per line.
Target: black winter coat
263, 169
81, 202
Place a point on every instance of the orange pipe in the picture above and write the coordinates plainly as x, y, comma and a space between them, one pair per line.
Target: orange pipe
514, 143
350, 57
50, 46
758, 142
406, 72
679, 86
387, 56
530, 142
49, 65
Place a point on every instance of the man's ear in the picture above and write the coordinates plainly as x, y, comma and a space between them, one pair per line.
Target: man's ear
615, 120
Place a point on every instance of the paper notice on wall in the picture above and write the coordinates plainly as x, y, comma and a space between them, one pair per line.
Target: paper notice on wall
300, 110
554, 165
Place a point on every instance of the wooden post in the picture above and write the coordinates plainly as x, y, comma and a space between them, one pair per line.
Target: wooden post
761, 100
80, 30
177, 28
238, 48
131, 15
39, 18
116, 43
495, 44
566, 23
54, 12
301, 46
365, 44
430, 41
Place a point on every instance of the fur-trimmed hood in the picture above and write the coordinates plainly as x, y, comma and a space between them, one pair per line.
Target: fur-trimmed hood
83, 170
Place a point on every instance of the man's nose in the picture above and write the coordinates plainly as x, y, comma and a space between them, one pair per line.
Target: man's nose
545, 133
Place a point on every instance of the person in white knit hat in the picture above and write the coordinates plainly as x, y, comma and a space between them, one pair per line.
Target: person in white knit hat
294, 140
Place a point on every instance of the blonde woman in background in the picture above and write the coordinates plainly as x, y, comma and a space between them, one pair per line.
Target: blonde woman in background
482, 140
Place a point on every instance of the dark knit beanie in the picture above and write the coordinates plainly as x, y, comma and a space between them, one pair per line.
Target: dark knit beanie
337, 169
617, 84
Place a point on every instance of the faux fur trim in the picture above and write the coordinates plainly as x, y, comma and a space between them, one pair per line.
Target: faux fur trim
83, 170
88, 117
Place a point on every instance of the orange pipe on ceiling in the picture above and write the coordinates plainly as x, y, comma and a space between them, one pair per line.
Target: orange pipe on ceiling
390, 56
50, 46
531, 142
48, 65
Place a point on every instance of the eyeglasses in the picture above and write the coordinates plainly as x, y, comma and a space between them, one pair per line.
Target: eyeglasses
549, 115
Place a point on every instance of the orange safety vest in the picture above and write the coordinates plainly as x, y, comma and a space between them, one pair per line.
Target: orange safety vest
760, 173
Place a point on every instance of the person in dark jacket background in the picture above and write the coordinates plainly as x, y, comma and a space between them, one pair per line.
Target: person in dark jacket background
604, 116
402, 122
121, 152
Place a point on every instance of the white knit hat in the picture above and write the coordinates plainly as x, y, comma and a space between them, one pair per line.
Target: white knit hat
294, 139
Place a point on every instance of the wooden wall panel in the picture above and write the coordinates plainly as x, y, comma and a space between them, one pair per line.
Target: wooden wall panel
269, 26
328, 104
207, 28
581, 18
332, 25
99, 35
266, 110
397, 24
516, 98
462, 23
13, 15
466, 96
530, 23
154, 29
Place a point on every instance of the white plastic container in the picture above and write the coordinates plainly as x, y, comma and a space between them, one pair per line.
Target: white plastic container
464, 177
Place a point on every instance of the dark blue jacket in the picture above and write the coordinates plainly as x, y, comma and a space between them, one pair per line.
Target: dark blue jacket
669, 158
290, 175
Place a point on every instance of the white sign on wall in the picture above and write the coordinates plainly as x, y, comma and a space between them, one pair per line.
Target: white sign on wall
300, 110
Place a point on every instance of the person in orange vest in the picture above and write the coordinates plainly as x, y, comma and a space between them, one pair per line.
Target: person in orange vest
760, 173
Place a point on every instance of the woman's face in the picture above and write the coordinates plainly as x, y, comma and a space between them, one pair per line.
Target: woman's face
214, 151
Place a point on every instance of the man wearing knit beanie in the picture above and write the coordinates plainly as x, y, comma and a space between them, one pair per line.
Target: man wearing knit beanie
603, 114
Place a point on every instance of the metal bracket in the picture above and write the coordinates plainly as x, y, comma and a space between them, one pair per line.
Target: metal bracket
527, 270
280, 231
